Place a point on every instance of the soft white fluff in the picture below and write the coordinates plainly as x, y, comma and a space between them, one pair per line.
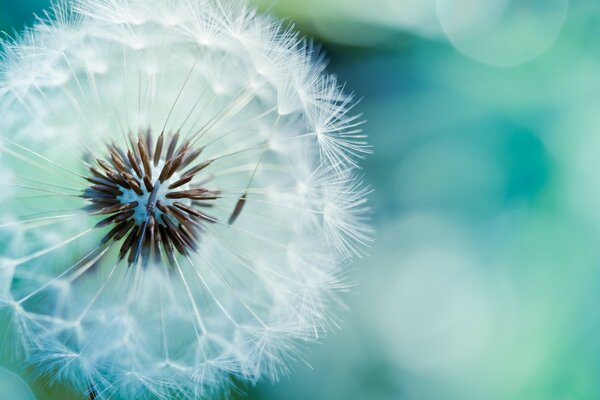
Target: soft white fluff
276, 126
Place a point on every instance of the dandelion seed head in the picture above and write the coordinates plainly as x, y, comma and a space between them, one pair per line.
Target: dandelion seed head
182, 196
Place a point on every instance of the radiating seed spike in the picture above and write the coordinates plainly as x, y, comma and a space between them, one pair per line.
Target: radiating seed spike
178, 195
132, 141
148, 184
159, 147
128, 177
180, 216
136, 250
172, 211
186, 235
186, 193
181, 182
134, 164
109, 176
187, 209
169, 224
202, 204
118, 179
90, 193
157, 242
167, 245
185, 146
238, 208
175, 165
124, 216
198, 168
142, 140
128, 243
195, 213
106, 202
117, 162
118, 208
146, 248
122, 182
101, 181
97, 173
122, 155
143, 150
165, 171
149, 142
134, 148
171, 230
152, 237
193, 194
178, 242
128, 225
192, 229
142, 147
116, 218
121, 229
119, 166
105, 166
171, 167
206, 196
113, 148
161, 207
132, 255
141, 137
172, 146
191, 157
93, 209
106, 189
134, 184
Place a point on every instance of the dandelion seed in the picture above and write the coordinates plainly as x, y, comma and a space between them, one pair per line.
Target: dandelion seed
180, 196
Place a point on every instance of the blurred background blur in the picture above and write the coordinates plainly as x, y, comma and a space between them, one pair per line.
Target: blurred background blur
484, 281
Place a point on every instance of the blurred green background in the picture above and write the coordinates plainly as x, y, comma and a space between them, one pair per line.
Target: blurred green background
484, 281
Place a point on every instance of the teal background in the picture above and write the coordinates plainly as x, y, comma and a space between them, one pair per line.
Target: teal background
483, 282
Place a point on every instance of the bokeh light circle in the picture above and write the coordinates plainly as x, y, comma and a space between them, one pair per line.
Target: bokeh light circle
441, 313
12, 387
417, 16
502, 33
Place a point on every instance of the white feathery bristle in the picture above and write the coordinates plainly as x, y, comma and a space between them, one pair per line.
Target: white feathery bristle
180, 196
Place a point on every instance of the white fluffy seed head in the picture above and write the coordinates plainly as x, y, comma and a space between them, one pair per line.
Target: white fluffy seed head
267, 262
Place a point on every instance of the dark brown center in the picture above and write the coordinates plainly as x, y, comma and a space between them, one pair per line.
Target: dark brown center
151, 197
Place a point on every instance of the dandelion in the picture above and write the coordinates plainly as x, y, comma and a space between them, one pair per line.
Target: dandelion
180, 196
